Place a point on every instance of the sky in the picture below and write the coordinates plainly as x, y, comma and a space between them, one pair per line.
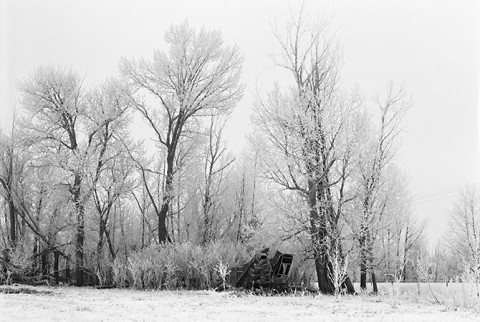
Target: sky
433, 47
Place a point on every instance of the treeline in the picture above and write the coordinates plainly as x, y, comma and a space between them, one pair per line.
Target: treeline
319, 178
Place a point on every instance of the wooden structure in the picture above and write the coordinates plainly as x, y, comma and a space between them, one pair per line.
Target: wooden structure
261, 272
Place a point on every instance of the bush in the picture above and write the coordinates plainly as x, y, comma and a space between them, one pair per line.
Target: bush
183, 265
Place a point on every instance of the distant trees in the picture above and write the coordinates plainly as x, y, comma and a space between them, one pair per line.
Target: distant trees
198, 76
463, 235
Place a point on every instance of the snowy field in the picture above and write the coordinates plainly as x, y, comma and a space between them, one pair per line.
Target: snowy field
86, 304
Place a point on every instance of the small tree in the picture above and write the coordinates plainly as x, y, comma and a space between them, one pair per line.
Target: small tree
463, 235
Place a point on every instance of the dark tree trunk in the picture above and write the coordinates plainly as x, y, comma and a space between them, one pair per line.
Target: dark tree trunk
56, 255
162, 222
101, 231
110, 244
349, 285
318, 233
35, 254
13, 221
325, 284
67, 269
363, 276
363, 257
80, 232
167, 198
45, 264
374, 283
80, 238
143, 228
79, 252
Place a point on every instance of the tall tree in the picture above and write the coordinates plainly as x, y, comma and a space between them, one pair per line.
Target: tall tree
379, 152
11, 168
216, 162
197, 76
305, 132
111, 169
54, 101
64, 137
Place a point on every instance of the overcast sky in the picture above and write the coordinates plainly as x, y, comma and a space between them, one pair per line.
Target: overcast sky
431, 46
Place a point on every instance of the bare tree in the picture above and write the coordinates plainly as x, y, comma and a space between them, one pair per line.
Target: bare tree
65, 137
305, 131
107, 110
198, 75
398, 233
11, 166
463, 235
378, 154
34, 200
216, 162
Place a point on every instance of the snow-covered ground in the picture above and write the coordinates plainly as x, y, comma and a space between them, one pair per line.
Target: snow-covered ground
86, 304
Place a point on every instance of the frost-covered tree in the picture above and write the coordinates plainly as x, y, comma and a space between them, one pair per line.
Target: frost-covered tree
216, 163
198, 75
65, 135
111, 168
380, 149
463, 234
311, 134
11, 169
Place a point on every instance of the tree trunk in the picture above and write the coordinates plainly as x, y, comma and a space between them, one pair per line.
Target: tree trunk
162, 215
374, 283
35, 254
162, 222
363, 276
363, 259
56, 255
143, 228
67, 269
45, 264
349, 285
13, 221
207, 218
101, 232
325, 284
318, 233
80, 231
110, 244
79, 255
405, 254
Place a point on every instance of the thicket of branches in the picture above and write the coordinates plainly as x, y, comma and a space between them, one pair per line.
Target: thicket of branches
80, 194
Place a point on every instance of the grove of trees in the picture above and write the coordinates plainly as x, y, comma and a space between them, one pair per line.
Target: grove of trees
79, 192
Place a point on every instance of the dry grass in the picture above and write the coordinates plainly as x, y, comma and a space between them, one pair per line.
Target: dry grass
453, 297
86, 304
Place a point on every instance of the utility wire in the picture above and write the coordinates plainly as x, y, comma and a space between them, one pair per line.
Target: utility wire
427, 196
440, 195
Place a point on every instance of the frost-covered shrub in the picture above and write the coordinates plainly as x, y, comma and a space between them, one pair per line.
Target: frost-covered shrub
182, 265
119, 270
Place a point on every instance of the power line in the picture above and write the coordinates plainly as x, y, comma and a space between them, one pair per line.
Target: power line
427, 196
440, 195
432, 200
